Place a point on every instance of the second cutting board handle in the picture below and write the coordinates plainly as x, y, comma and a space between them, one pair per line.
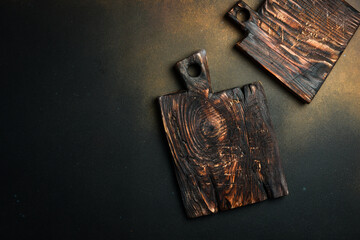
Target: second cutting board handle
243, 15
200, 83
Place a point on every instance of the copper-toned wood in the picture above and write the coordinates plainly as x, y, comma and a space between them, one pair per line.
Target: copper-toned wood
298, 41
223, 144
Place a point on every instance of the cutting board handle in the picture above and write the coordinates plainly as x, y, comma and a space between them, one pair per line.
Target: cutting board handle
248, 15
201, 83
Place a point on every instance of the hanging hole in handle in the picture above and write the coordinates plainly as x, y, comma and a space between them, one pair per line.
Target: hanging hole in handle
243, 15
194, 70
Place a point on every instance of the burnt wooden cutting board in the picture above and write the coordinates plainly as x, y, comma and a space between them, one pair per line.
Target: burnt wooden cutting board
223, 144
298, 41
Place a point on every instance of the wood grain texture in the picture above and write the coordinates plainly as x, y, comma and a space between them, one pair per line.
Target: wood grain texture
223, 144
298, 41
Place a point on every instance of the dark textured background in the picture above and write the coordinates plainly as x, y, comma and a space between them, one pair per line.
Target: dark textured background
83, 152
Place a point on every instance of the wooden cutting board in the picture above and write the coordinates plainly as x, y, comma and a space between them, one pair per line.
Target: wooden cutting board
223, 144
298, 41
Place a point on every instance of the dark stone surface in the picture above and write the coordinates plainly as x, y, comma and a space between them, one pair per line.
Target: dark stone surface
83, 153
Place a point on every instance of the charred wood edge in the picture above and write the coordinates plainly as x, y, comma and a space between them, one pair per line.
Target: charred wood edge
201, 85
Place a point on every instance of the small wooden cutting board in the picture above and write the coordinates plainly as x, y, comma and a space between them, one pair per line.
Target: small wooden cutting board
223, 144
298, 41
